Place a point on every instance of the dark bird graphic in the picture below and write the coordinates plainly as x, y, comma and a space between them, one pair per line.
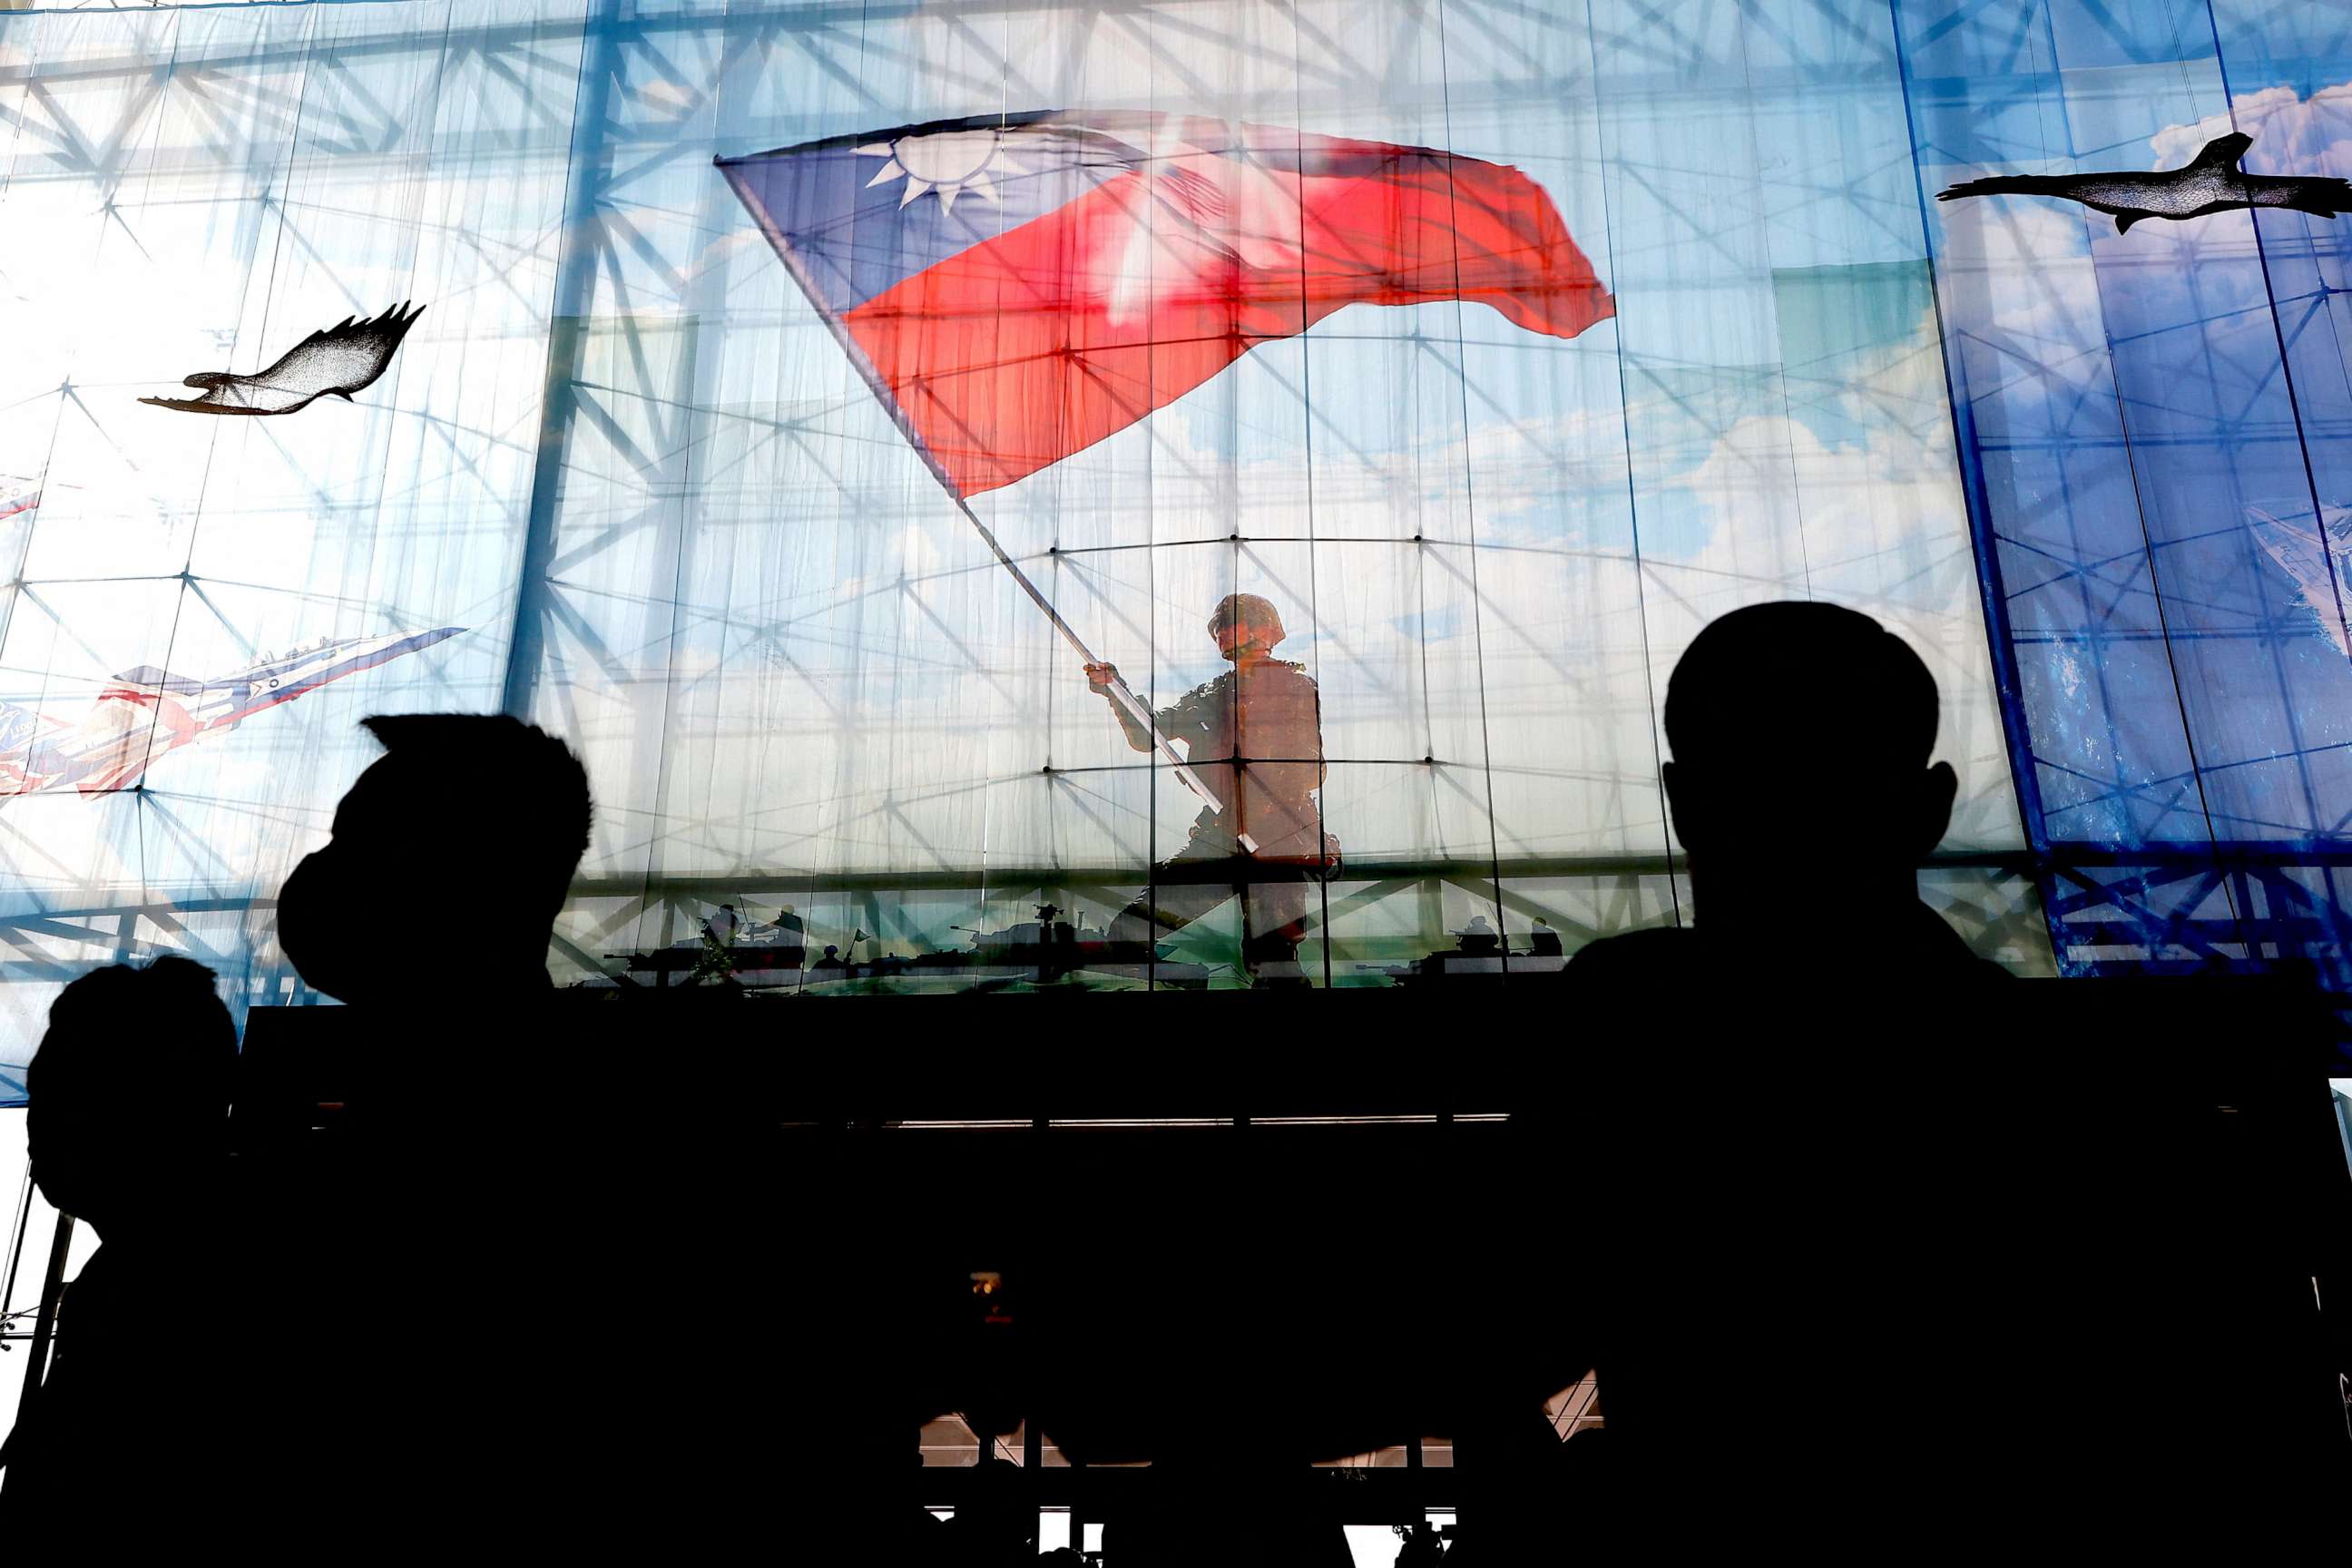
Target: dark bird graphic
340, 361
2211, 182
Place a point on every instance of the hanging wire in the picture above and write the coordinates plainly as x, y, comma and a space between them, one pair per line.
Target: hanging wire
19, 1220
1633, 503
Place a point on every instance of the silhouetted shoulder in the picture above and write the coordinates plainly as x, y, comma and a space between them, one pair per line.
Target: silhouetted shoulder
1933, 943
1636, 955
1913, 944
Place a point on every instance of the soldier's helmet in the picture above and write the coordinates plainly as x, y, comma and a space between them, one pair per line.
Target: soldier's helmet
1247, 610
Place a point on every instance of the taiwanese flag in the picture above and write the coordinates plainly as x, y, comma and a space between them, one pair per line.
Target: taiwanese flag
1022, 286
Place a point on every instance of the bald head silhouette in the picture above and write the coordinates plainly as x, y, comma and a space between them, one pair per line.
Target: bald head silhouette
1801, 735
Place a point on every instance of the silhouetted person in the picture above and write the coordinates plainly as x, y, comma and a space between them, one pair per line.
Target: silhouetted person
1803, 792
491, 1368
1254, 736
1862, 1191
448, 1251
1543, 942
1419, 1546
1785, 1198
480, 804
127, 1122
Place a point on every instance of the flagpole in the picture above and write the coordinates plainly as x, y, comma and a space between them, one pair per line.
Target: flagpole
1119, 691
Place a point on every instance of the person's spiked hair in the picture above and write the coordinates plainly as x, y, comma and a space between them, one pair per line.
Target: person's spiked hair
544, 843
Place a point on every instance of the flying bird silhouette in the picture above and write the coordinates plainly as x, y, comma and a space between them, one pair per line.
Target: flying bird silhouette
340, 360
2211, 182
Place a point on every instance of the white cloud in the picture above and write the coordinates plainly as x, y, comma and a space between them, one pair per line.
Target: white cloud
2020, 276
1879, 526
1876, 521
2016, 274
1498, 468
2291, 134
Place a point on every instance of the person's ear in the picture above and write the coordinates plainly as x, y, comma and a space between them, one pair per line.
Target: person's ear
1940, 786
1682, 803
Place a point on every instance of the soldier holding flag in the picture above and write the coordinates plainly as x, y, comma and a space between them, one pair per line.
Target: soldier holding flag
1015, 288
1254, 734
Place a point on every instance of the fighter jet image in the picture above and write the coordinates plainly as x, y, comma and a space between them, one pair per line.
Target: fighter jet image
16, 496
2318, 558
2211, 182
143, 713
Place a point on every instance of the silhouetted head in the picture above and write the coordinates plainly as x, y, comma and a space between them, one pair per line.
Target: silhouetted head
476, 813
1244, 622
1800, 734
130, 1090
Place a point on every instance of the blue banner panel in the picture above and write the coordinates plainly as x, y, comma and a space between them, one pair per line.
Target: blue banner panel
2133, 213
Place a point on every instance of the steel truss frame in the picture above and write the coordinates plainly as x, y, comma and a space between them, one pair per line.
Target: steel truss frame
2106, 909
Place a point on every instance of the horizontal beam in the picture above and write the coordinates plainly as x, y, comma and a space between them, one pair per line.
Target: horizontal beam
2244, 858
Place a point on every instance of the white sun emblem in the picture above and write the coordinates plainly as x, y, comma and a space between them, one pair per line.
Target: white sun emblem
947, 162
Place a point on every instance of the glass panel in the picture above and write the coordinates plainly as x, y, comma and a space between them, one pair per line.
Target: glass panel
627, 476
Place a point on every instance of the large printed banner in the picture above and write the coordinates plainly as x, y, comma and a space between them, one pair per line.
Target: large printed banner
1109, 264
772, 403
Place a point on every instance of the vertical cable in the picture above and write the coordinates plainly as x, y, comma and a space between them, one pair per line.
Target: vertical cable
1632, 496
2295, 410
1148, 212
20, 1218
2001, 644
1780, 365
1470, 493
1307, 424
2147, 540
14, 588
213, 437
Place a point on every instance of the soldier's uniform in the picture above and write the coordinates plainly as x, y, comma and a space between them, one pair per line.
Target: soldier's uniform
1254, 736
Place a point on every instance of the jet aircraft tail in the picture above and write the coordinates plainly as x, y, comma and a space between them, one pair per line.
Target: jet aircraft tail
151, 677
136, 718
